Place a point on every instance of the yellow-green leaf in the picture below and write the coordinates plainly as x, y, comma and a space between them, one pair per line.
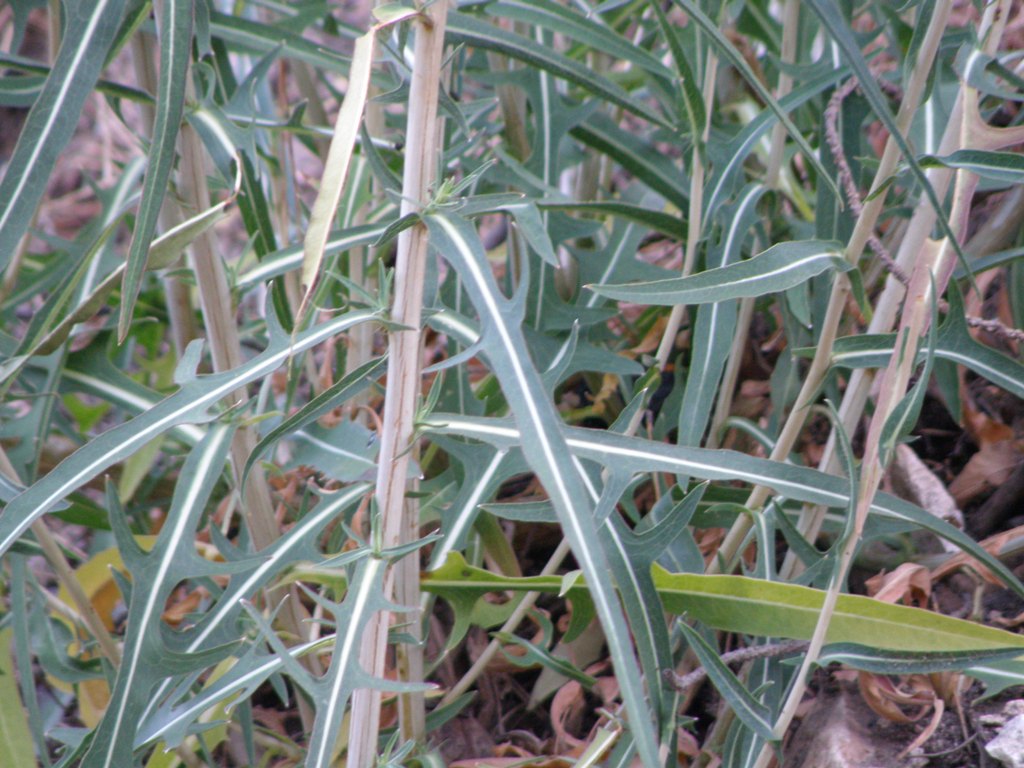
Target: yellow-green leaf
15, 739
774, 609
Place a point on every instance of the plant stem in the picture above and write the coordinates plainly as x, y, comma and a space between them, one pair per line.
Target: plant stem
696, 209
222, 335
510, 625
790, 27
226, 351
863, 228
887, 307
399, 519
932, 271
731, 374
360, 338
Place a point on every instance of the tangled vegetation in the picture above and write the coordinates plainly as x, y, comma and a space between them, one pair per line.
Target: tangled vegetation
501, 383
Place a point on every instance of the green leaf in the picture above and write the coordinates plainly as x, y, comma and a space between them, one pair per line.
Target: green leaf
52, 324
190, 404
167, 248
715, 327
91, 372
92, 27
998, 166
137, 468
990, 261
286, 259
344, 453
340, 392
339, 156
219, 625
484, 471
954, 344
545, 449
534, 655
246, 675
886, 662
467, 29
261, 39
637, 157
998, 676
904, 415
175, 50
728, 157
986, 73
751, 712
658, 221
832, 19
463, 586
878, 633
146, 659
729, 52
16, 746
631, 454
20, 91
778, 268
693, 100
26, 89
589, 30
331, 693
631, 556
775, 609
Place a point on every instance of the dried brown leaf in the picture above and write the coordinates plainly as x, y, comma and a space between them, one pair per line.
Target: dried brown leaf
988, 468
910, 584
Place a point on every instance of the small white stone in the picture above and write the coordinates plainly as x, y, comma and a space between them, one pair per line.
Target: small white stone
992, 720
1013, 707
1008, 746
